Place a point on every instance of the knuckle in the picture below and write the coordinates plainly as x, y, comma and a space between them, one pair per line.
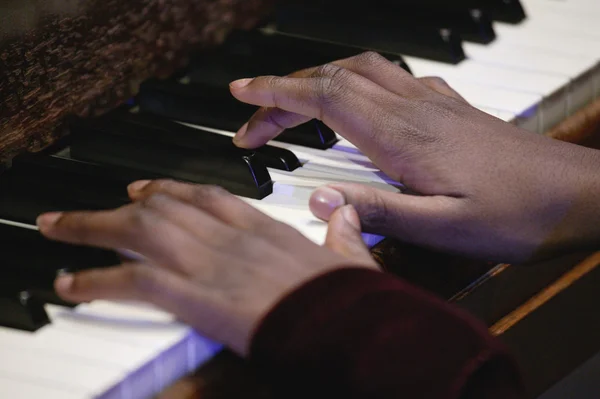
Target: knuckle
325, 70
275, 118
271, 81
209, 193
435, 81
78, 225
376, 214
331, 73
143, 213
142, 279
161, 185
370, 59
332, 84
155, 201
224, 238
276, 228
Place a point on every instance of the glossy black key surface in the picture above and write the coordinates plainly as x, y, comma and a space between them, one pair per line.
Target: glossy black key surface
510, 11
37, 184
215, 107
506, 10
22, 311
165, 131
472, 23
96, 140
257, 53
368, 30
31, 262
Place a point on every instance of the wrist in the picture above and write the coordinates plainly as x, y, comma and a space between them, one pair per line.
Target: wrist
577, 210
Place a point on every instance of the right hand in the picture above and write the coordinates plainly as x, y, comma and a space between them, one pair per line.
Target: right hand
486, 188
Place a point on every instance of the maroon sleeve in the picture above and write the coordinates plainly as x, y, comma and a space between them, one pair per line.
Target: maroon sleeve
358, 333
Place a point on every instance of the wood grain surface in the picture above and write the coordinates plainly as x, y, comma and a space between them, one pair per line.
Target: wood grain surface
62, 57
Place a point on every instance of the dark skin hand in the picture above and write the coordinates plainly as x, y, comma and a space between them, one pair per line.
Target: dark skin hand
487, 188
207, 257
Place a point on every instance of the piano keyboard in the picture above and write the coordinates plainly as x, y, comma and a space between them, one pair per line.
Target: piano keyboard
534, 74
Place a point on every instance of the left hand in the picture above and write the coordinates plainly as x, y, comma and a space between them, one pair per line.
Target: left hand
209, 258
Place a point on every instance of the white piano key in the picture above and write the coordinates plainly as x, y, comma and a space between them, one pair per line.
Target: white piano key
543, 37
304, 221
344, 145
505, 116
63, 342
141, 326
554, 28
305, 177
562, 17
551, 89
298, 195
490, 75
581, 71
63, 372
26, 389
528, 59
524, 105
289, 195
578, 6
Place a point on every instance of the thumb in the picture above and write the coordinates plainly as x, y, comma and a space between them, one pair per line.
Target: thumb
415, 219
344, 236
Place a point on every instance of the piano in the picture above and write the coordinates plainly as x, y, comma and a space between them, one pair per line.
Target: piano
98, 94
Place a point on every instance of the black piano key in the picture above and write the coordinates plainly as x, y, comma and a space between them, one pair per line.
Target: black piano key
25, 250
93, 140
256, 53
31, 262
370, 32
472, 23
22, 311
215, 107
42, 290
510, 11
162, 130
37, 184
475, 25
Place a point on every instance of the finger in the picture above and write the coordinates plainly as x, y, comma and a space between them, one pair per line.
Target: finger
414, 219
141, 283
333, 97
268, 123
344, 236
134, 227
440, 85
213, 200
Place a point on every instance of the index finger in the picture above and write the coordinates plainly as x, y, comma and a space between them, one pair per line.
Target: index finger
131, 227
347, 102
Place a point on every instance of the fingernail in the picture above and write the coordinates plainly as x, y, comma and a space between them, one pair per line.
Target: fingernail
324, 201
240, 133
240, 83
64, 282
46, 220
138, 186
350, 215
